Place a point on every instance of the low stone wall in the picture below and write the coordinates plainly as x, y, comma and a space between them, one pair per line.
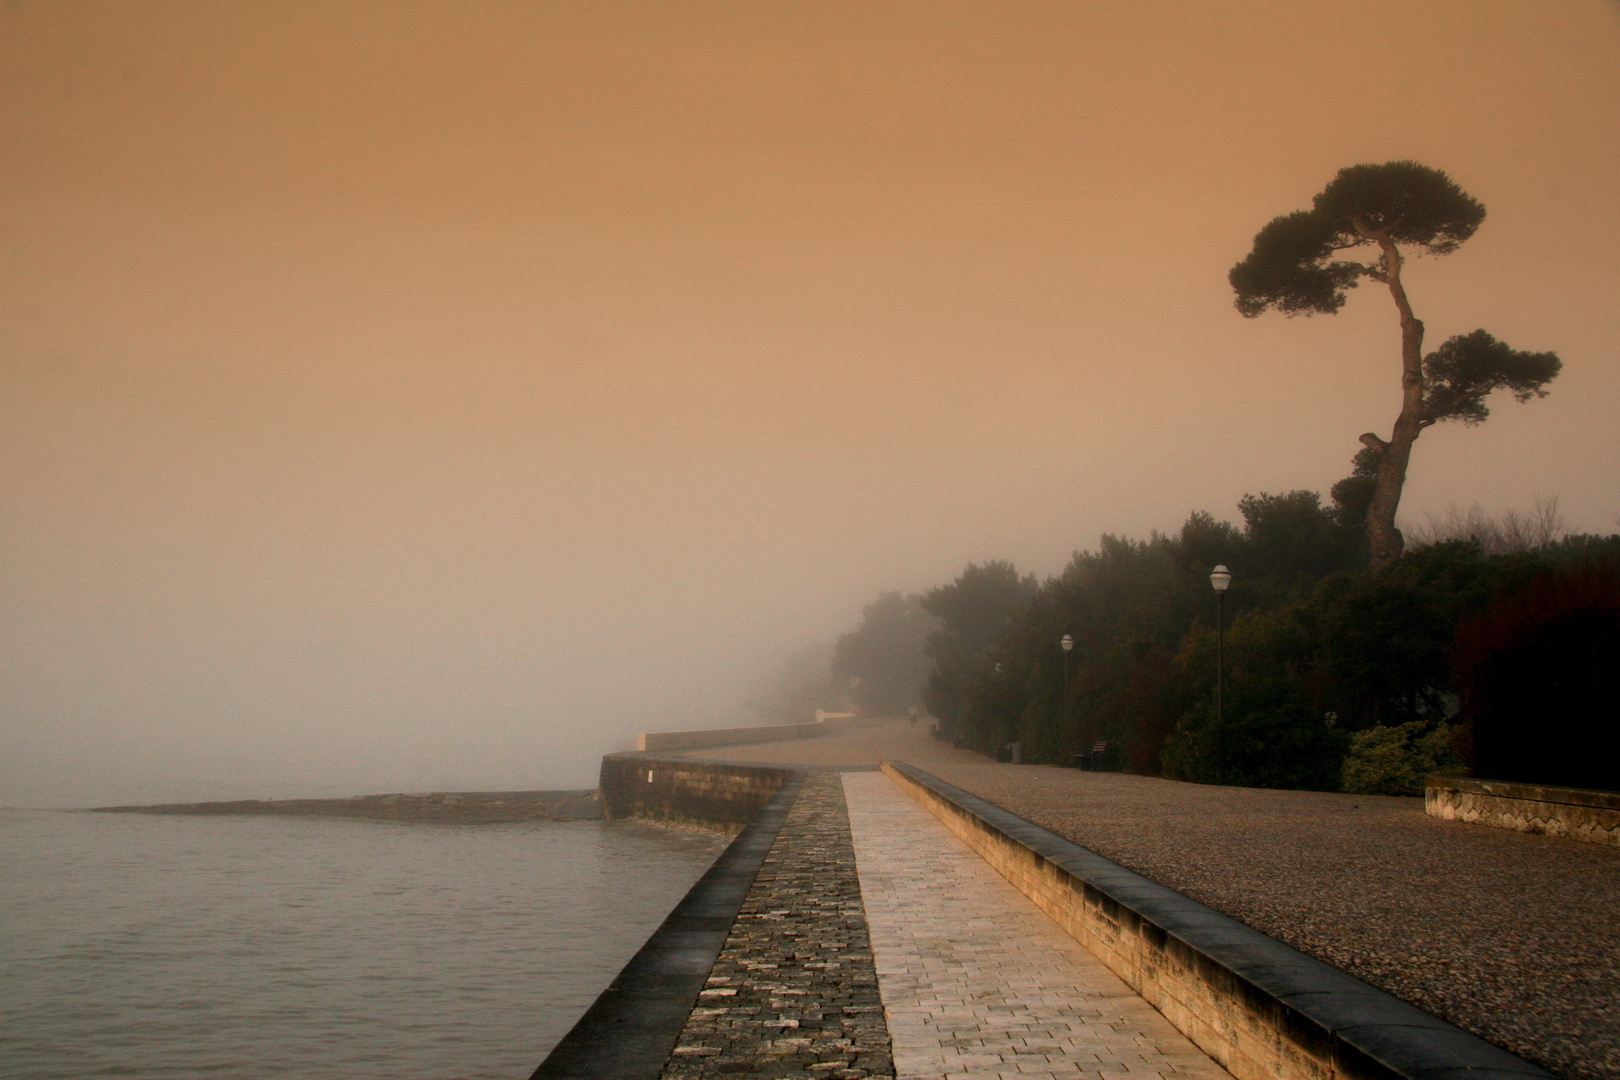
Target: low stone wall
1573, 813
1261, 1009
710, 794
693, 740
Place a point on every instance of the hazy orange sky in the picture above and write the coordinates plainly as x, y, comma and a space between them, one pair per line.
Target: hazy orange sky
426, 395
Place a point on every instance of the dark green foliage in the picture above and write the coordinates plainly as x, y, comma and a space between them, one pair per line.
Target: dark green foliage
1460, 374
972, 611
1294, 265
1382, 641
1126, 606
1397, 760
1129, 606
1315, 652
1291, 539
1360, 652
1205, 542
1537, 674
1273, 736
1411, 203
1583, 551
1291, 268
1320, 653
883, 661
1352, 495
1270, 711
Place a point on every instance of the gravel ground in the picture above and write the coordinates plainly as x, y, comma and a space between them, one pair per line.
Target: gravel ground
1513, 937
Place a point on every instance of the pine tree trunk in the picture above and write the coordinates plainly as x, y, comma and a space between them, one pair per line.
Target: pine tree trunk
1394, 455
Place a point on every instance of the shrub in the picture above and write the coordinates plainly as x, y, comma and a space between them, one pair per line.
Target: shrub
1271, 737
1395, 760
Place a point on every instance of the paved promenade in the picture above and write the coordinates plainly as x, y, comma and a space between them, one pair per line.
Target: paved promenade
976, 980
874, 944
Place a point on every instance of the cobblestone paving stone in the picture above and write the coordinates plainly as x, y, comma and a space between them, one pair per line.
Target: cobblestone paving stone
977, 981
794, 992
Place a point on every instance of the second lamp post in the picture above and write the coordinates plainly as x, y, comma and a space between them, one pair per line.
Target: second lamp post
1220, 577
1067, 643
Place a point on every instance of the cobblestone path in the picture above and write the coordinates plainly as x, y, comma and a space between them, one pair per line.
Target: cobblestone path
977, 981
794, 992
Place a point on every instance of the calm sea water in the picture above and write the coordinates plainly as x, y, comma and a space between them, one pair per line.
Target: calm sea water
176, 947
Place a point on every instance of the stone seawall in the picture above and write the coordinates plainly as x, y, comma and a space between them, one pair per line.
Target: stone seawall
1573, 813
709, 794
1261, 1009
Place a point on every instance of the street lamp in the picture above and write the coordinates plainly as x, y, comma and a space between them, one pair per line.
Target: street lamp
1221, 579
1068, 645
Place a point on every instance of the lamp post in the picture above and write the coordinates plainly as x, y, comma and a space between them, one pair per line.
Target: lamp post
1067, 644
1221, 579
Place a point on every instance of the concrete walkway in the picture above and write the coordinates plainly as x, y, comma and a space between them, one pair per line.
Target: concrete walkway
976, 981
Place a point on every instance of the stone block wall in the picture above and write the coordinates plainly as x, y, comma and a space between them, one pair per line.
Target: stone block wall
1573, 813
712, 795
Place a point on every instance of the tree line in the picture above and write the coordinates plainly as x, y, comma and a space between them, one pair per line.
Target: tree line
1351, 662
1338, 677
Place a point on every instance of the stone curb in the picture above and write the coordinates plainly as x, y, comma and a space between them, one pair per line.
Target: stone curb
1584, 814
1259, 1007
631, 1029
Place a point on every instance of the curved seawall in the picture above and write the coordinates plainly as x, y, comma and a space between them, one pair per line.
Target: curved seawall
708, 794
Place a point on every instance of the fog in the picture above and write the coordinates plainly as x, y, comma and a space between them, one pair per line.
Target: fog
432, 396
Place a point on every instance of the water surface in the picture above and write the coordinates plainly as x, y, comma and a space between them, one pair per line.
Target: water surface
178, 947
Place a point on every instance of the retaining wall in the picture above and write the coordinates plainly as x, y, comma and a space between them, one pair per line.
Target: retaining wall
1574, 813
1261, 1009
711, 794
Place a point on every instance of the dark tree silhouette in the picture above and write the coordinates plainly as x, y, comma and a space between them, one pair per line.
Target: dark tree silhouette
1296, 268
973, 611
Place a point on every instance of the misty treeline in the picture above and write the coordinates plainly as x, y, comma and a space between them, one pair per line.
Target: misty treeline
1490, 644
1359, 656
